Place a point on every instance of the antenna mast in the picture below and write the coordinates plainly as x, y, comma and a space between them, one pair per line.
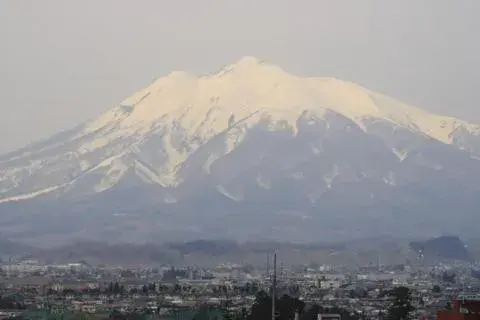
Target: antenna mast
274, 283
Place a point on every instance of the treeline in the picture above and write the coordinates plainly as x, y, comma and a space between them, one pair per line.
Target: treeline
117, 288
286, 308
11, 303
399, 308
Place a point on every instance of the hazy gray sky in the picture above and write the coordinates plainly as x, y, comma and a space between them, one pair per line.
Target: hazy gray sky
63, 62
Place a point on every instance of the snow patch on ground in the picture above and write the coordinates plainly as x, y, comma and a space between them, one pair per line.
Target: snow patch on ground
234, 137
390, 179
112, 177
169, 199
329, 178
315, 150
208, 163
146, 174
401, 154
313, 197
84, 165
263, 182
30, 195
93, 145
227, 194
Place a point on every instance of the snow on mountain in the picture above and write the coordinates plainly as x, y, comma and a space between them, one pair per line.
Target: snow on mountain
252, 88
191, 110
250, 133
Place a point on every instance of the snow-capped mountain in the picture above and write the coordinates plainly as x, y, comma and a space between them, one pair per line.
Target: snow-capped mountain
250, 151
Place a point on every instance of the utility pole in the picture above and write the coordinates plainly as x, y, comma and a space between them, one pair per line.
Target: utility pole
274, 283
378, 261
268, 267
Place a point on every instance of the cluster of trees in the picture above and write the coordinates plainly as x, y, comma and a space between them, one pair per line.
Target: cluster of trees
173, 273
286, 308
116, 288
400, 308
11, 303
448, 277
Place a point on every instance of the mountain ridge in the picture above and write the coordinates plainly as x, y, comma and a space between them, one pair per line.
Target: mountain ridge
360, 252
264, 81
138, 114
250, 138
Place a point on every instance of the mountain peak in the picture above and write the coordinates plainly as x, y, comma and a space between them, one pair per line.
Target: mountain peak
248, 61
253, 67
203, 104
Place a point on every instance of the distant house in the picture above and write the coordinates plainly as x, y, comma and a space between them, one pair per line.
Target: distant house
329, 316
464, 307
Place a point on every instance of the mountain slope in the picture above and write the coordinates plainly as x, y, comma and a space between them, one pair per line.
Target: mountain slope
188, 156
441, 248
